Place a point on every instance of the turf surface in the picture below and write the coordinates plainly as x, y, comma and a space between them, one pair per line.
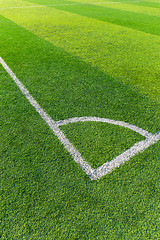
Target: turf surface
71, 73
99, 43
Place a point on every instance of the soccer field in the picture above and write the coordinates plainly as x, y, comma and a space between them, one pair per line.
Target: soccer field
80, 119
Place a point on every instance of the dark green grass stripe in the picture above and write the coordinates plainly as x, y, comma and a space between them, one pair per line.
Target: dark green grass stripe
137, 21
145, 4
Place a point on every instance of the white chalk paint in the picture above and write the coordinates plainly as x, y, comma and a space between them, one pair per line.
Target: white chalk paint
106, 167
51, 123
125, 156
105, 120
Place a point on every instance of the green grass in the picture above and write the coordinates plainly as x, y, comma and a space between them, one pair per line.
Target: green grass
141, 22
100, 142
44, 193
98, 43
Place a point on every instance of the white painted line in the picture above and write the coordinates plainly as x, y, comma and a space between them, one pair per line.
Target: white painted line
65, 4
106, 120
106, 167
125, 156
51, 123
117, 161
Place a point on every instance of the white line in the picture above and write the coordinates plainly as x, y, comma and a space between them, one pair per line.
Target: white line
117, 161
106, 120
52, 124
125, 156
65, 4
106, 167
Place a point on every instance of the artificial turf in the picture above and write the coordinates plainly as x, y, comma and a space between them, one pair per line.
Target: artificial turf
44, 193
119, 51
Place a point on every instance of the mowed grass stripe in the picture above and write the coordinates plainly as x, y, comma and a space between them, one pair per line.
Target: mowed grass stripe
137, 21
149, 3
123, 53
127, 6
20, 4
14, 3
145, 4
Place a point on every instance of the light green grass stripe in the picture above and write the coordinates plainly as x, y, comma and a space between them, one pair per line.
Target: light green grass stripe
129, 55
14, 3
128, 6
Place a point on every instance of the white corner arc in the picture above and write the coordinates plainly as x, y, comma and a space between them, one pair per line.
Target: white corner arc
125, 156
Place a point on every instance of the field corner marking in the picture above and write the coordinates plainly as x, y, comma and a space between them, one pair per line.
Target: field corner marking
107, 167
